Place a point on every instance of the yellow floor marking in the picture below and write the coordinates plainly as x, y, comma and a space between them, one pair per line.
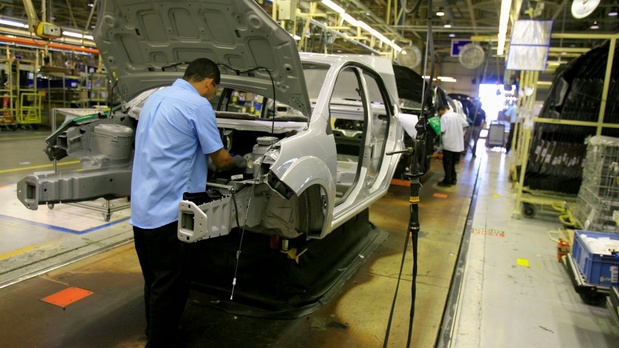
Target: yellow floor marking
522, 262
30, 248
36, 167
17, 252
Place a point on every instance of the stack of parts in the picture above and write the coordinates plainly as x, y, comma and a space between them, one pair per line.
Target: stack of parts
600, 245
598, 198
557, 150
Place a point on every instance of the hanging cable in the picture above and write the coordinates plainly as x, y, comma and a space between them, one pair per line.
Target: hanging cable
238, 252
418, 154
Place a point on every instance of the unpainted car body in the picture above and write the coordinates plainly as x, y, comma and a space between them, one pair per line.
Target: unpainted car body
316, 155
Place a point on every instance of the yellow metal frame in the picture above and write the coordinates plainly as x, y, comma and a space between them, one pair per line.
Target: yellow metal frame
29, 108
530, 78
7, 95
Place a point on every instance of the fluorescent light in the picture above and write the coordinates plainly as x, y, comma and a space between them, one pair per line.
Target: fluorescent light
440, 12
330, 4
595, 25
442, 78
394, 46
447, 25
613, 12
12, 23
447, 79
452, 35
366, 27
348, 18
506, 6
357, 23
88, 37
72, 34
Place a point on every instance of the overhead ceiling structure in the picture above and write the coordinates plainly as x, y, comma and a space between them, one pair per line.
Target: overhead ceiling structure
463, 19
347, 26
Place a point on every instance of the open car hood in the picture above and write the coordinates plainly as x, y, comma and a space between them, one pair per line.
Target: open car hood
146, 44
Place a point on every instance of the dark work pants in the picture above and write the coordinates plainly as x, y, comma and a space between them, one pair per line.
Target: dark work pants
510, 137
162, 258
449, 166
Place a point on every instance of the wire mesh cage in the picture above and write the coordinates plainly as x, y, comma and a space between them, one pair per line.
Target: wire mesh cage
598, 198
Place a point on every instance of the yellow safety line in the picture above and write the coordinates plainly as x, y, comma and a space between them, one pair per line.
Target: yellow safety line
36, 167
17, 252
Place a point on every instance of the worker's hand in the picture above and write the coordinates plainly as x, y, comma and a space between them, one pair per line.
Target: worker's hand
240, 161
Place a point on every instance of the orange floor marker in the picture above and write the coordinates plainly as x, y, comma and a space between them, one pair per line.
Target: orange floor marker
67, 296
439, 195
400, 182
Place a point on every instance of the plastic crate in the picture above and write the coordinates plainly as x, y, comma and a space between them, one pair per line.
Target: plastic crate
597, 269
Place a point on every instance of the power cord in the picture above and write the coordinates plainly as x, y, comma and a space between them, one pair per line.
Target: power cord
417, 154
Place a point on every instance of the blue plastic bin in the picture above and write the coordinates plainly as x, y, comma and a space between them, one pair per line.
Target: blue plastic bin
597, 269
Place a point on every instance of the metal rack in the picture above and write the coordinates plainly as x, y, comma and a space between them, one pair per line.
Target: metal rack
20, 103
108, 206
598, 199
525, 201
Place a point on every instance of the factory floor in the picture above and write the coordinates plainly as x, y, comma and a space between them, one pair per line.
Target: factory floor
487, 277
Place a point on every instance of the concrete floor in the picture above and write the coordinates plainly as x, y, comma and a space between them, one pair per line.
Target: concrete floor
468, 243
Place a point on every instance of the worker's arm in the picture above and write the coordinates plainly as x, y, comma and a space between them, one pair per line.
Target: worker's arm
223, 161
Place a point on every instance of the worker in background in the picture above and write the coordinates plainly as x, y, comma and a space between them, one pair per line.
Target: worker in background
479, 123
510, 115
452, 131
176, 132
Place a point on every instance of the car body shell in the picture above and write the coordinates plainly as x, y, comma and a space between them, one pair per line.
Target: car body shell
317, 156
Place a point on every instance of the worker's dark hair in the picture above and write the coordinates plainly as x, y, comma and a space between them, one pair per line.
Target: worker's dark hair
443, 107
201, 69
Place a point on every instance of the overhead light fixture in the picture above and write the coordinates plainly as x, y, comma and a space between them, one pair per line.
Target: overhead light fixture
348, 18
440, 12
72, 34
378, 35
595, 25
447, 25
357, 23
452, 35
13, 23
442, 78
506, 6
330, 4
613, 12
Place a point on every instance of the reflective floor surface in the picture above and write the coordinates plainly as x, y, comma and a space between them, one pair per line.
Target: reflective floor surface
485, 278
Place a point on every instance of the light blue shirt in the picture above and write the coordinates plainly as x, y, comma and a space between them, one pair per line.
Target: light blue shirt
511, 113
176, 131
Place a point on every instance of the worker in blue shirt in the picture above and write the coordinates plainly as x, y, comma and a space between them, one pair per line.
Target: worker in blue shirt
176, 132
510, 114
